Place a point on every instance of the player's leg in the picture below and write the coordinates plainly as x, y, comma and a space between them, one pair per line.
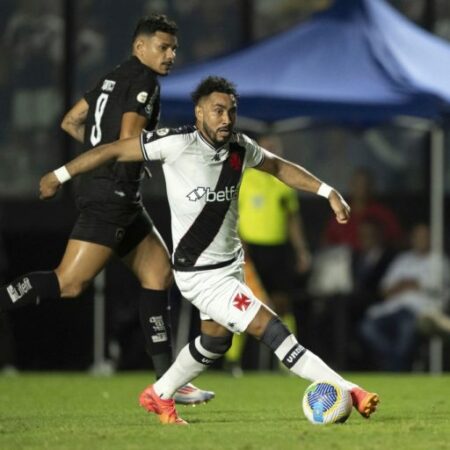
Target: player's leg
80, 263
192, 360
273, 332
149, 261
234, 354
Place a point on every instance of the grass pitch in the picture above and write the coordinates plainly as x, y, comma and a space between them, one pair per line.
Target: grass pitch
258, 411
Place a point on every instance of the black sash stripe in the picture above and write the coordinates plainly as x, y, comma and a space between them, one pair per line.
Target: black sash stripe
206, 226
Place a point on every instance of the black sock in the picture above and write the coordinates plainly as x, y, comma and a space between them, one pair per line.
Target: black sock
154, 317
29, 289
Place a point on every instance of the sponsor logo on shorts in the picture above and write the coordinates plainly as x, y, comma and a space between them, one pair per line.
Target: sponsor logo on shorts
142, 97
225, 195
19, 290
241, 302
108, 85
120, 233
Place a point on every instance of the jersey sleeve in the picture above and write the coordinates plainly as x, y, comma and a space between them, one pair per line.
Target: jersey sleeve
163, 144
254, 155
90, 96
142, 96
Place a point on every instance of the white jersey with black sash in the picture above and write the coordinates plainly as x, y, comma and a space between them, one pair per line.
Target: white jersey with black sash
202, 185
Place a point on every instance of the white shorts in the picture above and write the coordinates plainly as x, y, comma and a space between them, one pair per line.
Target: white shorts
220, 295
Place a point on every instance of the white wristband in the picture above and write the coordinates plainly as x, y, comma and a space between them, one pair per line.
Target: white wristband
62, 174
324, 190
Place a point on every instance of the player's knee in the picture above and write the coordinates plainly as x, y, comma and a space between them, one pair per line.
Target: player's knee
216, 344
259, 324
71, 288
158, 282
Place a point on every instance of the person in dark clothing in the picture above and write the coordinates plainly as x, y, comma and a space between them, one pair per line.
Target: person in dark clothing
112, 219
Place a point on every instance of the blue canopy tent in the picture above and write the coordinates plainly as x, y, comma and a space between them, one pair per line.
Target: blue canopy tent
359, 61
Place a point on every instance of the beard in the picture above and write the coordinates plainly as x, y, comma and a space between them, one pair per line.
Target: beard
212, 136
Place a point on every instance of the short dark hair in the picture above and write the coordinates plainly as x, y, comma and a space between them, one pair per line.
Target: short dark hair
213, 84
153, 23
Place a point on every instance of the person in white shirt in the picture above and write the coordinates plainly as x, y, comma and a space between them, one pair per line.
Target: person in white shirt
203, 168
410, 294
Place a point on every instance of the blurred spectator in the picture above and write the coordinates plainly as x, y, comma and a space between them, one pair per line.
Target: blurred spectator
344, 284
370, 262
364, 207
217, 20
34, 41
410, 295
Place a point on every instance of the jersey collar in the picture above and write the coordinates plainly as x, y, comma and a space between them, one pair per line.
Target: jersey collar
214, 154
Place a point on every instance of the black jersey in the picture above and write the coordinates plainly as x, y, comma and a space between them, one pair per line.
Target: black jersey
130, 87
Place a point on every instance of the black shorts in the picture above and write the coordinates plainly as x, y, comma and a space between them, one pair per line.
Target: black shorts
275, 266
121, 238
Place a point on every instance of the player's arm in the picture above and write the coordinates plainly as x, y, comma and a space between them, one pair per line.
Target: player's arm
299, 178
74, 121
125, 150
132, 125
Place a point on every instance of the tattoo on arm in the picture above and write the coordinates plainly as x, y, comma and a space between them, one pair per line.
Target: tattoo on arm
74, 122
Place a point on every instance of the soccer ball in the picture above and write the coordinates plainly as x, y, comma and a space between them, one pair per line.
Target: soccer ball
326, 402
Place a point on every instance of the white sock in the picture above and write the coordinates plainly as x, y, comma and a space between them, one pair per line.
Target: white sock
306, 364
192, 360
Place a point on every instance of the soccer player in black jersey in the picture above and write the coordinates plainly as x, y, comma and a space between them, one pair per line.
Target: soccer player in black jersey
112, 219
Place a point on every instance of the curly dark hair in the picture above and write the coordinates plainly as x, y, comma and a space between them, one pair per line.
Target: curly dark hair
153, 23
213, 84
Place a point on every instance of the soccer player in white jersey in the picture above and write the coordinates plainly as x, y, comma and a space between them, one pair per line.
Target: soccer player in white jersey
203, 168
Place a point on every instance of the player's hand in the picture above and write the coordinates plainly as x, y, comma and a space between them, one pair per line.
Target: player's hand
339, 206
48, 186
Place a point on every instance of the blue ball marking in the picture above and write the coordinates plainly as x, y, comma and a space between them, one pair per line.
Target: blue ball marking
317, 409
324, 394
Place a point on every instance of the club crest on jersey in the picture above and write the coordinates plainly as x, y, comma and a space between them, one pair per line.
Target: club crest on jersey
235, 161
142, 97
241, 302
108, 85
225, 195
